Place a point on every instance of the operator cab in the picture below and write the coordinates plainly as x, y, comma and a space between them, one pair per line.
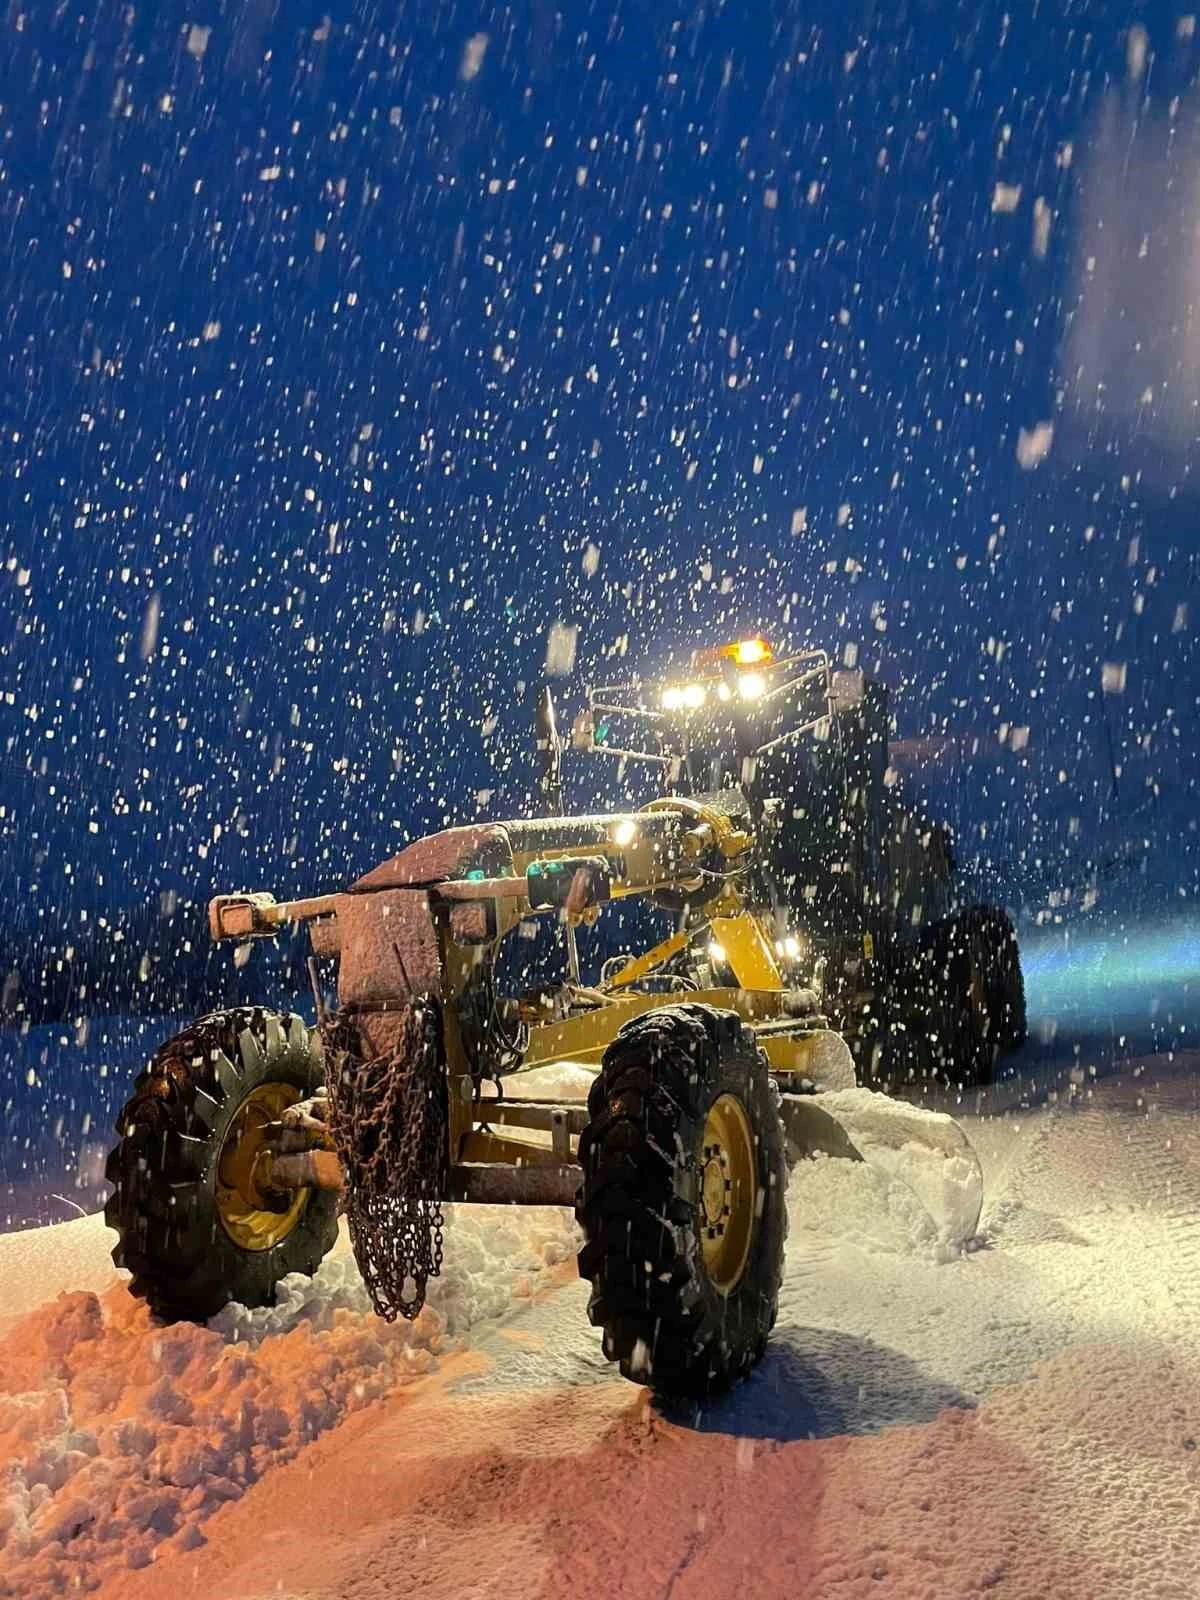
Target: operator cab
804, 748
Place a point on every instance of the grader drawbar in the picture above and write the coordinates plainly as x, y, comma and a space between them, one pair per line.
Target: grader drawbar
714, 1064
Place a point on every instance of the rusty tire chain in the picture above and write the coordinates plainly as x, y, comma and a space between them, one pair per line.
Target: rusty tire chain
388, 1122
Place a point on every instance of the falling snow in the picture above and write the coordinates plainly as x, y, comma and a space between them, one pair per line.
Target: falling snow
365, 369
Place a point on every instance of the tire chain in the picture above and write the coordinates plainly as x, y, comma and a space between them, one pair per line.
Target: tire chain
387, 1118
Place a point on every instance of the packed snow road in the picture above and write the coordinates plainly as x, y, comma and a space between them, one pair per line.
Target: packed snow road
1024, 1419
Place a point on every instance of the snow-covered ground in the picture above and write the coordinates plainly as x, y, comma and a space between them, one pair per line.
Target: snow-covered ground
1025, 1419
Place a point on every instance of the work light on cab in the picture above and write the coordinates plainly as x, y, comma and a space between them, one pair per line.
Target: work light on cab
684, 697
714, 670
756, 652
750, 652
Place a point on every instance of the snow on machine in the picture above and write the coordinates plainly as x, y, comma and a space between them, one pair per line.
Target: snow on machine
811, 924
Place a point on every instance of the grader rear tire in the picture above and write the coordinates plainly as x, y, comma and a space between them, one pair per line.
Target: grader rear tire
682, 1201
995, 939
956, 1003
985, 985
194, 1230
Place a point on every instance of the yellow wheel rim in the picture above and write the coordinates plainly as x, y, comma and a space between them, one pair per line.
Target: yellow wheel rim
728, 1192
242, 1204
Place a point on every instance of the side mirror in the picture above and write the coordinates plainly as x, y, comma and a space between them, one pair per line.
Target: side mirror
583, 732
575, 884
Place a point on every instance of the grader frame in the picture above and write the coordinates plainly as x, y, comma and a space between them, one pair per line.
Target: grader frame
713, 1066
430, 920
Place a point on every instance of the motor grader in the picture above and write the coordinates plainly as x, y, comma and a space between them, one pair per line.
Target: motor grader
794, 894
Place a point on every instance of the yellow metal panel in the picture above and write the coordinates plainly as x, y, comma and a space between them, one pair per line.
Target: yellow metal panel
730, 840
459, 964
747, 951
645, 858
821, 1055
789, 1052
585, 1037
641, 965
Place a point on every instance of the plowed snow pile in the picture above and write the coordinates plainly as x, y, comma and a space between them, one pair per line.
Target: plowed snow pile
119, 1438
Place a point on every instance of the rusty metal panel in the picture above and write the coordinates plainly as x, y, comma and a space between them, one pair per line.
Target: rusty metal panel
389, 948
473, 923
450, 854
380, 1033
325, 936
499, 1184
318, 1169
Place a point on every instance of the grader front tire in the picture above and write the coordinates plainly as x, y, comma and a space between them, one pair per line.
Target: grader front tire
682, 1201
194, 1229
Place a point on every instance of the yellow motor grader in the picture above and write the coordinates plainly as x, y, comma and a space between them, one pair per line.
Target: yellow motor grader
778, 865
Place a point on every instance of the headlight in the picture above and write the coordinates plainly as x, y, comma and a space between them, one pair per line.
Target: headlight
672, 699
752, 686
716, 953
694, 696
625, 832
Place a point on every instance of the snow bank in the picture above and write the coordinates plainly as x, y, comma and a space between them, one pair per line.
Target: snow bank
120, 1437
36, 1263
833, 1199
920, 1185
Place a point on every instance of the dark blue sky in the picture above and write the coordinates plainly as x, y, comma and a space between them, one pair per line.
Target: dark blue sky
346, 351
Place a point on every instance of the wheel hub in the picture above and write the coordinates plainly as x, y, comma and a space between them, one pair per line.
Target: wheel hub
253, 1215
728, 1191
715, 1188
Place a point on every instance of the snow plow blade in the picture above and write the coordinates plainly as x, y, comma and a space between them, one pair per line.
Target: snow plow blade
925, 1151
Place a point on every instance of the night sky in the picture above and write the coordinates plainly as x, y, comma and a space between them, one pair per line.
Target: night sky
348, 352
